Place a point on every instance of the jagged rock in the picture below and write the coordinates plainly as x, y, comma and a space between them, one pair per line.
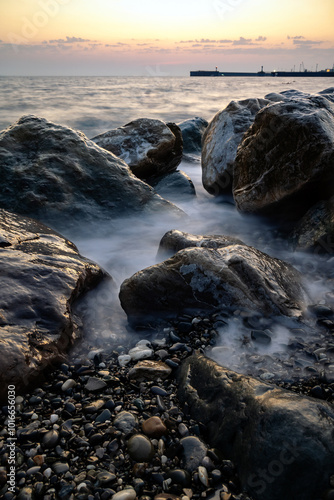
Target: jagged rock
57, 175
284, 164
192, 133
150, 147
175, 187
202, 279
220, 142
315, 231
175, 240
281, 443
42, 275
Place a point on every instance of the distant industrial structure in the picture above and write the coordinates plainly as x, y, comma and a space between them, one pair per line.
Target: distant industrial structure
301, 73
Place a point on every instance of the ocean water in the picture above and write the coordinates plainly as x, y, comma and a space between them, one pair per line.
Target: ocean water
94, 105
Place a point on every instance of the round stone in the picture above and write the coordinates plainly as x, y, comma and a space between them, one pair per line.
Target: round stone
60, 468
140, 448
127, 494
193, 452
105, 477
50, 439
125, 422
181, 477
68, 384
154, 427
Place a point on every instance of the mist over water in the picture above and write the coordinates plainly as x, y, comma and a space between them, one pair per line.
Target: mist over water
127, 245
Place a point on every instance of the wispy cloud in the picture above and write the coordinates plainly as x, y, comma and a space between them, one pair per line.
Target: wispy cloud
70, 39
243, 41
295, 37
261, 39
307, 42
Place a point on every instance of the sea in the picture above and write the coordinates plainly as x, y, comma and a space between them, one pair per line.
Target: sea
96, 104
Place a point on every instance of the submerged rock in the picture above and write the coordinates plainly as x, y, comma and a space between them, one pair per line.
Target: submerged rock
221, 140
192, 133
281, 443
150, 147
42, 275
176, 240
209, 280
284, 164
57, 175
175, 187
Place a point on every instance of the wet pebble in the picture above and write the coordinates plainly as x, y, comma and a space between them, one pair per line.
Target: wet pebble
60, 468
104, 416
50, 439
125, 422
154, 427
68, 384
94, 406
149, 370
95, 384
126, 494
194, 450
140, 448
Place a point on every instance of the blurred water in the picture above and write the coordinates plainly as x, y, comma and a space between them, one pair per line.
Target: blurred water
94, 105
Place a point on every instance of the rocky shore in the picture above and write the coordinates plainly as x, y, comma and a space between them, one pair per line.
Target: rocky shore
160, 416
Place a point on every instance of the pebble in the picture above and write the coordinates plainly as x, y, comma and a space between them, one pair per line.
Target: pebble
125, 422
159, 391
154, 427
94, 406
140, 448
149, 370
50, 439
19, 400
194, 450
68, 384
126, 494
105, 478
203, 475
140, 352
53, 418
124, 359
95, 384
104, 416
261, 336
60, 468
180, 476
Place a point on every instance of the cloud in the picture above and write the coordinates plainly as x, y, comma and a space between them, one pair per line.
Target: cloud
295, 37
307, 42
71, 39
243, 41
261, 39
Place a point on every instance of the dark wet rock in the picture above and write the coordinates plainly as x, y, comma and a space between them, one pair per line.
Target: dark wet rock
281, 443
140, 448
194, 450
261, 336
95, 384
176, 240
42, 276
175, 187
180, 476
192, 133
104, 416
209, 280
315, 231
154, 427
60, 468
221, 140
149, 147
50, 439
126, 494
284, 163
57, 175
149, 370
105, 478
125, 422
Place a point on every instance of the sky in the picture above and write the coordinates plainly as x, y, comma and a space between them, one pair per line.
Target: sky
163, 38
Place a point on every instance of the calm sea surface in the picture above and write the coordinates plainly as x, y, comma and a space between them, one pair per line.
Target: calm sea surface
94, 105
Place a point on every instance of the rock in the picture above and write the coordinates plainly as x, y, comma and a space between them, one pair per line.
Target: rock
221, 140
104, 416
63, 178
149, 370
104, 477
261, 336
192, 133
149, 147
68, 384
127, 494
42, 276
175, 240
284, 163
140, 448
140, 352
95, 384
202, 280
281, 443
50, 439
125, 422
315, 231
94, 406
194, 450
175, 186
60, 468
154, 427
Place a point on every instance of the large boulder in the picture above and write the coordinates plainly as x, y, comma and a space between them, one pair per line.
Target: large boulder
57, 175
281, 443
175, 187
202, 279
221, 140
176, 240
150, 147
315, 231
284, 164
42, 276
192, 133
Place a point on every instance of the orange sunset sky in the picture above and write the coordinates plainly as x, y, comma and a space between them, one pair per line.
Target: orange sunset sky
160, 38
